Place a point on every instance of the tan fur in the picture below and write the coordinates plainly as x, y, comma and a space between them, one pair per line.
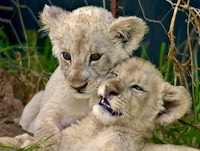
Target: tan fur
20, 141
9, 141
140, 94
81, 33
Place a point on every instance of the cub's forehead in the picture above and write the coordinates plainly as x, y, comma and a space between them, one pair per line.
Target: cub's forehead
137, 69
86, 28
81, 37
87, 19
81, 24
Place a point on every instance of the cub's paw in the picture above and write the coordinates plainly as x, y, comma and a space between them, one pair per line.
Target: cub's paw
25, 140
9, 142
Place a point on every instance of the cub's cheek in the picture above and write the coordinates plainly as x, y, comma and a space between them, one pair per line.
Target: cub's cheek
101, 68
64, 66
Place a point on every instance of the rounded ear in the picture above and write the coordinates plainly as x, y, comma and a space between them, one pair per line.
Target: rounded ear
127, 32
176, 102
52, 16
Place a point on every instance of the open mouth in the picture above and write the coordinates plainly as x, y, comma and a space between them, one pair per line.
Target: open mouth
106, 105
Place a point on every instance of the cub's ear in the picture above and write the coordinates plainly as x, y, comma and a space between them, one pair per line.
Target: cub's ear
52, 16
127, 32
176, 102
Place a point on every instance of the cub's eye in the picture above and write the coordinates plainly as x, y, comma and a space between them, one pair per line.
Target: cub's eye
113, 73
66, 56
137, 87
95, 57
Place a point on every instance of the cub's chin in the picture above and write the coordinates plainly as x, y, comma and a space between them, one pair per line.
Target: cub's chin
104, 112
83, 95
85, 92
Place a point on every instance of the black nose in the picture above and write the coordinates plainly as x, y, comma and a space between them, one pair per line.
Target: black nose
79, 89
110, 92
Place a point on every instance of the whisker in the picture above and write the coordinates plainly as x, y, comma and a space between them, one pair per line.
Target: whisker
121, 106
118, 112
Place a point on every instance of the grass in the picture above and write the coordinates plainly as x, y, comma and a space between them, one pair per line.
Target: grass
32, 62
34, 55
187, 130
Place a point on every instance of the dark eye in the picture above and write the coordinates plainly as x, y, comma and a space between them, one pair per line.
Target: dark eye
137, 87
95, 57
66, 56
113, 73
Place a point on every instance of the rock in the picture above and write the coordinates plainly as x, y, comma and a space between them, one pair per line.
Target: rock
12, 93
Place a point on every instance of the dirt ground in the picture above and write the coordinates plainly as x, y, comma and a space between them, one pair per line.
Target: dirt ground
14, 94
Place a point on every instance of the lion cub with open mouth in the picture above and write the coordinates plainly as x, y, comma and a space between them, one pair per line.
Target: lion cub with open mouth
132, 102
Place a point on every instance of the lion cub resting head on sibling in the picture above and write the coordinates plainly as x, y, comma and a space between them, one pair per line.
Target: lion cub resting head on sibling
87, 42
132, 102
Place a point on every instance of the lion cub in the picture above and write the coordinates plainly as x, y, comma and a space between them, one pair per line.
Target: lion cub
87, 42
132, 103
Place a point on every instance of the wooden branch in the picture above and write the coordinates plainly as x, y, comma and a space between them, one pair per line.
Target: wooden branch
6, 8
114, 8
171, 32
195, 17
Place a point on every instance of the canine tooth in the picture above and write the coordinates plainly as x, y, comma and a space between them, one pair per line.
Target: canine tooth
107, 105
